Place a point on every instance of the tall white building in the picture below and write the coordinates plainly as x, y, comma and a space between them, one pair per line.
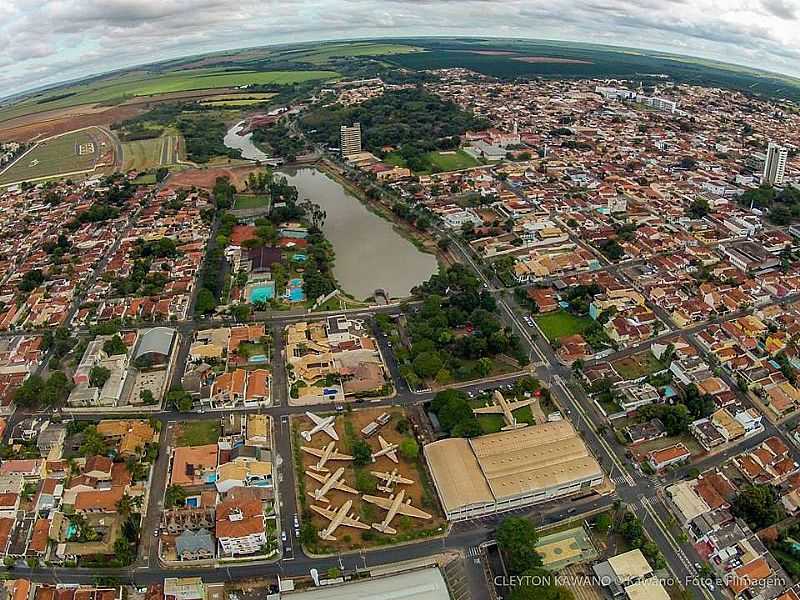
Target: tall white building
350, 139
775, 165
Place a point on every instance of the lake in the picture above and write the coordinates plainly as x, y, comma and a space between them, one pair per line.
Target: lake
370, 254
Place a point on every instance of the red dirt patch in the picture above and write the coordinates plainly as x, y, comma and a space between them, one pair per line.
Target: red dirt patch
205, 178
46, 124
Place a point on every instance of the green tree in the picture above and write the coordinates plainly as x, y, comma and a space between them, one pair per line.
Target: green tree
98, 376
175, 495
362, 453
758, 505
114, 346
516, 539
409, 448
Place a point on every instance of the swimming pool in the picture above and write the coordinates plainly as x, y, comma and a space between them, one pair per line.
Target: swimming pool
299, 257
258, 358
262, 292
294, 290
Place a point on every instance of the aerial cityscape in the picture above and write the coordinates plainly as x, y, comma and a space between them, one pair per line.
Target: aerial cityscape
400, 318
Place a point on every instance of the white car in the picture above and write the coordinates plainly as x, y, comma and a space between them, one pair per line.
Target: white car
283, 536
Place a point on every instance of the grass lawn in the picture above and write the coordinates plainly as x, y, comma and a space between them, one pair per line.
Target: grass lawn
69, 153
556, 325
494, 423
638, 365
146, 179
198, 433
142, 154
243, 201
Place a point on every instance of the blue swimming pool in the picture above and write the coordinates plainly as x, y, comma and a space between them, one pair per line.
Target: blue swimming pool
262, 292
258, 358
299, 257
294, 290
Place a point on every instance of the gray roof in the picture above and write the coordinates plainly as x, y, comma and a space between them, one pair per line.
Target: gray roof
192, 541
422, 584
156, 340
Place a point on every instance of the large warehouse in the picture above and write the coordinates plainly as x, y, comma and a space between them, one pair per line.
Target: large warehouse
506, 470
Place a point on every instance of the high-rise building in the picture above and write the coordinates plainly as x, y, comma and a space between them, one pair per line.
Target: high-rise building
350, 139
775, 164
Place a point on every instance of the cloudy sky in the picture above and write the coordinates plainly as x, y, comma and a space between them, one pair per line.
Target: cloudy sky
47, 41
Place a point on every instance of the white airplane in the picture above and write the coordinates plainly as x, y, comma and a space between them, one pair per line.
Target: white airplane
394, 505
320, 424
501, 406
325, 454
338, 518
390, 480
387, 449
329, 482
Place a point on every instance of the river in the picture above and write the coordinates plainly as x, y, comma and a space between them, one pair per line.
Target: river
243, 143
370, 254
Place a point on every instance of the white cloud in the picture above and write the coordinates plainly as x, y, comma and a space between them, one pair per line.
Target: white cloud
53, 40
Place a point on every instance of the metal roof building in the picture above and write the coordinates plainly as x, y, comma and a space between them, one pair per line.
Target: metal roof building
506, 470
422, 584
157, 340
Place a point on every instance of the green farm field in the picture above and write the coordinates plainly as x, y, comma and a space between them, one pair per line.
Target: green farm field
319, 56
118, 89
74, 152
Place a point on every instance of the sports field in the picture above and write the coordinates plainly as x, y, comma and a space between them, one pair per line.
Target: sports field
564, 548
71, 153
452, 161
248, 201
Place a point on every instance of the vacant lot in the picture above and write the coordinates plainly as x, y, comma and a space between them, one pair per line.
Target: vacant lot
638, 365
198, 433
72, 153
557, 325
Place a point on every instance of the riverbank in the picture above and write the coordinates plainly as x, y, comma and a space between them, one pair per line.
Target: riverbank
426, 245
373, 254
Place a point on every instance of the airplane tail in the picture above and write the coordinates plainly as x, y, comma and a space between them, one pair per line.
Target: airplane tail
318, 498
383, 528
306, 435
324, 535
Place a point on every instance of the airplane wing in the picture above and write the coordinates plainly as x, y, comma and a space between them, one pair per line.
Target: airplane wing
316, 476
488, 410
384, 503
412, 511
317, 420
314, 451
336, 455
350, 522
342, 486
520, 404
331, 431
328, 514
